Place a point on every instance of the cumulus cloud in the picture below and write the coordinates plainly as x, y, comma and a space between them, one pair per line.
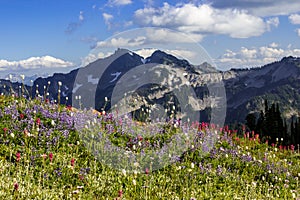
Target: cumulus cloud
161, 35
274, 45
34, 63
91, 57
256, 56
119, 2
149, 36
260, 7
202, 19
294, 19
122, 42
73, 26
145, 52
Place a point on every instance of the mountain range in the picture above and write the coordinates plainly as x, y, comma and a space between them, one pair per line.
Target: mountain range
245, 89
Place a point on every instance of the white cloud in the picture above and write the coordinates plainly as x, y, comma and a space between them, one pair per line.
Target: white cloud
34, 63
202, 19
294, 19
274, 45
73, 26
248, 53
149, 3
272, 22
93, 57
182, 54
261, 7
107, 19
119, 2
148, 36
298, 32
248, 57
167, 36
81, 17
145, 52
122, 42
128, 23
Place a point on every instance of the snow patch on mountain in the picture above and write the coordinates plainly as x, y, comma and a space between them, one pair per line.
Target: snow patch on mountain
116, 74
92, 80
143, 60
76, 87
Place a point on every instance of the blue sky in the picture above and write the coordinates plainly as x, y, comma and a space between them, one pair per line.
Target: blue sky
38, 35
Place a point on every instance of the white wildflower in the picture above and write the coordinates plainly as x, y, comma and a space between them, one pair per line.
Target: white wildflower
75, 191
124, 172
192, 165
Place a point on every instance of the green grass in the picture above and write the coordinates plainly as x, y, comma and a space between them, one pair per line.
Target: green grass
233, 169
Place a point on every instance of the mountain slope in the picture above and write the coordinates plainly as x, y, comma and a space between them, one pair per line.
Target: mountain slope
245, 88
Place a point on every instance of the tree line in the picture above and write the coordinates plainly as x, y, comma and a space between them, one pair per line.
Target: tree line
272, 127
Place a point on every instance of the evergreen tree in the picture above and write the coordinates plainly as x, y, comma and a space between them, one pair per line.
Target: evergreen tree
293, 135
251, 121
297, 131
260, 125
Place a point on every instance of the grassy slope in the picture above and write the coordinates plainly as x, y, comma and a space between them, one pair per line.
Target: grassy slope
32, 131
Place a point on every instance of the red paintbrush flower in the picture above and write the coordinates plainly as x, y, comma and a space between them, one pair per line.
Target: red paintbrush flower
51, 156
38, 121
72, 162
146, 171
120, 193
16, 186
18, 156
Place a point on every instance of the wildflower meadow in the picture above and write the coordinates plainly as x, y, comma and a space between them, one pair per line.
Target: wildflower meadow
43, 155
